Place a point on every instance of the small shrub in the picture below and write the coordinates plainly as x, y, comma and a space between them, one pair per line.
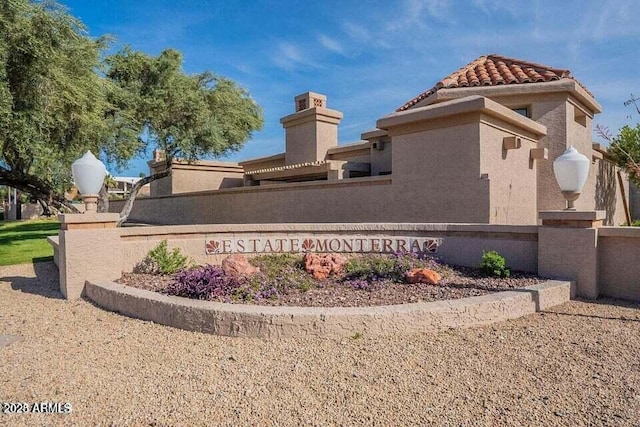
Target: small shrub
284, 271
494, 264
159, 258
212, 283
374, 267
393, 267
147, 266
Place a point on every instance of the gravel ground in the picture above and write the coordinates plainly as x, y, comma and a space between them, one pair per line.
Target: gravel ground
461, 283
576, 365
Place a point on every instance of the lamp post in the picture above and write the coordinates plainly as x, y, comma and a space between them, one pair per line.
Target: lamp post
88, 174
571, 170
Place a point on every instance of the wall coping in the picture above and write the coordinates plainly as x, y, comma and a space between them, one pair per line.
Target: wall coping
328, 228
277, 321
93, 218
610, 231
350, 182
469, 104
572, 215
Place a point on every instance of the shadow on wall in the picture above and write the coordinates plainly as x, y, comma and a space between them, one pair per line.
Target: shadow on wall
606, 190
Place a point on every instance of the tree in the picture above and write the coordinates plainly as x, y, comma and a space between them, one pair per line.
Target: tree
53, 103
185, 116
59, 99
624, 148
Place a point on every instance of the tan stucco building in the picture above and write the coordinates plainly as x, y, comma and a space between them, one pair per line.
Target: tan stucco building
477, 147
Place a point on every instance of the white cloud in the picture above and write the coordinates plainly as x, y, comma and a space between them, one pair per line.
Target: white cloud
288, 56
331, 44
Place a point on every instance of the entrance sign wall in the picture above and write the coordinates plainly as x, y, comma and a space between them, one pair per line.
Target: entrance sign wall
325, 243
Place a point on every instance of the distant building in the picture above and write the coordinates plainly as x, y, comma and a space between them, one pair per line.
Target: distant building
124, 185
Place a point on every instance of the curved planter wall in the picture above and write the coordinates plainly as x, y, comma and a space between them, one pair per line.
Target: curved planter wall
274, 322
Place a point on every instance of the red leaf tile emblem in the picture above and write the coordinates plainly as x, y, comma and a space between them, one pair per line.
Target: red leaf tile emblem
431, 246
308, 245
213, 247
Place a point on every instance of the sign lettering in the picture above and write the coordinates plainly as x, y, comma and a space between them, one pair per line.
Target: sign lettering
386, 244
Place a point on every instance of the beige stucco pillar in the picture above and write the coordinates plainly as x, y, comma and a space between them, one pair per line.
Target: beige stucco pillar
89, 249
568, 248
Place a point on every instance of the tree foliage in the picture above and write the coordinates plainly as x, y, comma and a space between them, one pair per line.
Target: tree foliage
58, 98
52, 102
185, 116
624, 148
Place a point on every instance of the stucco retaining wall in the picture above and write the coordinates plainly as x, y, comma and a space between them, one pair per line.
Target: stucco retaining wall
618, 262
279, 322
462, 244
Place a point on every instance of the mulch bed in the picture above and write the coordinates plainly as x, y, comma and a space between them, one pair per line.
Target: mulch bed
465, 282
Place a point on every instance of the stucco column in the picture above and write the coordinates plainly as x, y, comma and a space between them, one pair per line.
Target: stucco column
568, 248
89, 249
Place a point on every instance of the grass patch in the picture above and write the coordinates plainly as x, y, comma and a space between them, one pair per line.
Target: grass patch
22, 242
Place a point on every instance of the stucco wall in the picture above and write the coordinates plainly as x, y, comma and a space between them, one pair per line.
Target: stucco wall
634, 201
462, 244
198, 176
511, 174
190, 178
618, 267
436, 174
355, 200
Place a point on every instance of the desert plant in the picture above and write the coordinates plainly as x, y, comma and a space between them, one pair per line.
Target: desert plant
160, 260
212, 283
494, 264
284, 271
147, 266
389, 267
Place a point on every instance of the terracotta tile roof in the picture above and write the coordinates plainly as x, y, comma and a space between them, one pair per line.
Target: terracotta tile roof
493, 70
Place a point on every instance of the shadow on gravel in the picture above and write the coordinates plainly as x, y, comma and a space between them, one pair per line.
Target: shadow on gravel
46, 282
603, 301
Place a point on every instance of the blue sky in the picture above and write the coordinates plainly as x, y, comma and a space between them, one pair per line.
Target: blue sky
369, 57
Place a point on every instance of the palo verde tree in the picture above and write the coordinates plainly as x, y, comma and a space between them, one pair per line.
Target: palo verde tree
54, 105
185, 116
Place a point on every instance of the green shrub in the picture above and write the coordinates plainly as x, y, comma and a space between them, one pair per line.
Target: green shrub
160, 261
494, 264
284, 271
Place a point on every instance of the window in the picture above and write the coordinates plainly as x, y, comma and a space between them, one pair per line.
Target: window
523, 111
579, 116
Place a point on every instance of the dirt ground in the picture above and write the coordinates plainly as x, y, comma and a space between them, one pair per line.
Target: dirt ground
578, 364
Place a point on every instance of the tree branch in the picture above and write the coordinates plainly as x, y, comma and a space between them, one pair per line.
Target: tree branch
126, 209
37, 188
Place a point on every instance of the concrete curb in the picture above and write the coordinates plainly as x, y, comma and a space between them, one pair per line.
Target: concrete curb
245, 320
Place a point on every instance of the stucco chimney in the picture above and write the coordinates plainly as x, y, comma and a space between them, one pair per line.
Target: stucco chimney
311, 130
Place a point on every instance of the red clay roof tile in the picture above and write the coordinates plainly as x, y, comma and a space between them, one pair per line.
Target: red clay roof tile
492, 70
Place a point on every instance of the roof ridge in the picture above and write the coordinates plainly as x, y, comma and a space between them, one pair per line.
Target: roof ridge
492, 70
562, 71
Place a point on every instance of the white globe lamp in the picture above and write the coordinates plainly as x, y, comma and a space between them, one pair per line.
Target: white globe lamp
88, 175
571, 170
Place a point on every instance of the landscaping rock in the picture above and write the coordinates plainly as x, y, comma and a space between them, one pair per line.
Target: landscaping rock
322, 266
423, 275
238, 265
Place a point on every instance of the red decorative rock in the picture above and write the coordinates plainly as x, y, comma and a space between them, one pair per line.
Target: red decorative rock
321, 266
238, 265
423, 275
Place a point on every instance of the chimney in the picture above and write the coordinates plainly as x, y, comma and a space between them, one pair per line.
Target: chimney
311, 130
